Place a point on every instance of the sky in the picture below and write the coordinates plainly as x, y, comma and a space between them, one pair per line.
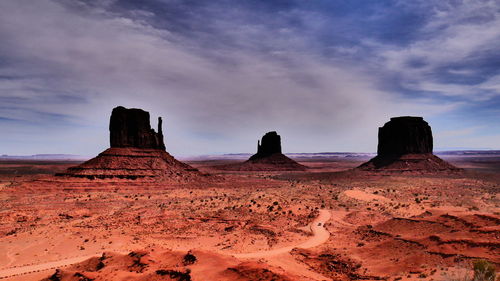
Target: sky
324, 74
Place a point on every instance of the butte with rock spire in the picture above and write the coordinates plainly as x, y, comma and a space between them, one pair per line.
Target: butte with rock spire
268, 157
136, 152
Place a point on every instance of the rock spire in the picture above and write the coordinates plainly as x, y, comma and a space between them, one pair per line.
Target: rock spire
269, 145
131, 128
136, 152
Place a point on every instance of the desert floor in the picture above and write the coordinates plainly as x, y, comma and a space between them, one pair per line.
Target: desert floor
327, 223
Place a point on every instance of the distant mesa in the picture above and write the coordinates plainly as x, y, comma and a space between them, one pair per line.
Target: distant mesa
405, 144
136, 151
268, 157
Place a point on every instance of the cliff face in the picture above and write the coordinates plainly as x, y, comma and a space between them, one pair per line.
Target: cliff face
131, 128
136, 152
404, 135
270, 144
405, 145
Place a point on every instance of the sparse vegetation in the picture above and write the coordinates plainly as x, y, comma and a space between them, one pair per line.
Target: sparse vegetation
484, 271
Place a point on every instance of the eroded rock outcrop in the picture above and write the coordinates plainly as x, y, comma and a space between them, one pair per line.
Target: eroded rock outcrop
268, 157
405, 144
136, 152
131, 128
404, 135
270, 144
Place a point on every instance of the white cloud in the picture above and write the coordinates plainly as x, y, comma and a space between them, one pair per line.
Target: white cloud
82, 64
456, 33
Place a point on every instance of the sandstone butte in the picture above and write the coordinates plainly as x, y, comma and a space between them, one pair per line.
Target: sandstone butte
268, 157
136, 152
405, 144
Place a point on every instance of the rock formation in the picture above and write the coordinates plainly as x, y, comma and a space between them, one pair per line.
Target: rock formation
404, 135
136, 151
131, 128
405, 144
267, 158
271, 144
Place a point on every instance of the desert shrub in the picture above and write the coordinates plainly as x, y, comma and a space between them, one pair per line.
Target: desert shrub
189, 258
484, 271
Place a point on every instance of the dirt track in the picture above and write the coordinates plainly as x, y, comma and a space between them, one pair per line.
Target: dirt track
320, 235
15, 271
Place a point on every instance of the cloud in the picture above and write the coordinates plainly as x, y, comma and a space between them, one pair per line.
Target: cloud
457, 133
450, 57
220, 83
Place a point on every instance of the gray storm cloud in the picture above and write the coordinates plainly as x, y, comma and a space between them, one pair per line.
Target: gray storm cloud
67, 68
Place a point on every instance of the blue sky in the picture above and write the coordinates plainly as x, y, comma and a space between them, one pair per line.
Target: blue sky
324, 74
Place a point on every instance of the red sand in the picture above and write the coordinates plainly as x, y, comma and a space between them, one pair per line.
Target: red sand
382, 226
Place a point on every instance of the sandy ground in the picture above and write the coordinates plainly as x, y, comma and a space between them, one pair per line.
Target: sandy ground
319, 236
321, 224
24, 270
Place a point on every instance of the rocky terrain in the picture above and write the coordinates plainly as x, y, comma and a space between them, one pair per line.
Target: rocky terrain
400, 227
136, 213
169, 265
